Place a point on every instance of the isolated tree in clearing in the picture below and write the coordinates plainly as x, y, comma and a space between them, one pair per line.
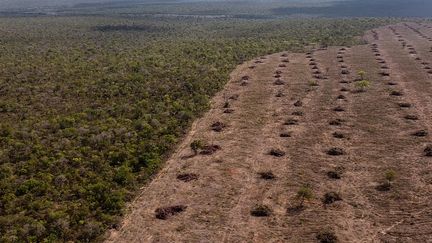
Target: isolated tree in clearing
362, 85
304, 194
196, 145
362, 74
390, 176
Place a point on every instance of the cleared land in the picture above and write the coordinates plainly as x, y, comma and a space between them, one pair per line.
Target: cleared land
360, 150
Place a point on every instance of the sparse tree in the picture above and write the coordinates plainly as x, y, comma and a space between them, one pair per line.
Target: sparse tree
390, 176
196, 145
313, 83
362, 74
362, 85
304, 194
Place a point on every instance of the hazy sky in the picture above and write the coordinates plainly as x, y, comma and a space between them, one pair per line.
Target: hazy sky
8, 4
38, 3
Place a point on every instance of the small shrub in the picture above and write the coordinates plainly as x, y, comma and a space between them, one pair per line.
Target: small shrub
234, 97
335, 152
285, 135
196, 145
267, 175
187, 177
226, 104
338, 135
411, 117
327, 237
404, 105
420, 133
384, 73
279, 82
338, 109
336, 173
210, 149
331, 197
261, 211
228, 111
297, 113
319, 76
361, 74
428, 151
298, 103
165, 213
389, 177
336, 122
305, 193
245, 78
362, 85
280, 94
291, 122
277, 153
396, 93
313, 83
218, 126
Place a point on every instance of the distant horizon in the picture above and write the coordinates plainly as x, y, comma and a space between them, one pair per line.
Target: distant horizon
262, 9
29, 4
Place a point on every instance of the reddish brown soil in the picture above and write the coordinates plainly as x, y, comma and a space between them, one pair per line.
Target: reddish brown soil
229, 198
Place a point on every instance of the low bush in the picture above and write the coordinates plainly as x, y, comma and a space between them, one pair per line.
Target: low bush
327, 236
261, 211
331, 197
167, 212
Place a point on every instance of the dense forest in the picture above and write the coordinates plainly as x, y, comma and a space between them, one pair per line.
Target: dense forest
91, 106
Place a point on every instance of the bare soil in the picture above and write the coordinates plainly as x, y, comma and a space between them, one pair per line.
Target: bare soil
218, 197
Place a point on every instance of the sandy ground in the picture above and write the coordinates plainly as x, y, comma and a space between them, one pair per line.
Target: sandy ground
316, 112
